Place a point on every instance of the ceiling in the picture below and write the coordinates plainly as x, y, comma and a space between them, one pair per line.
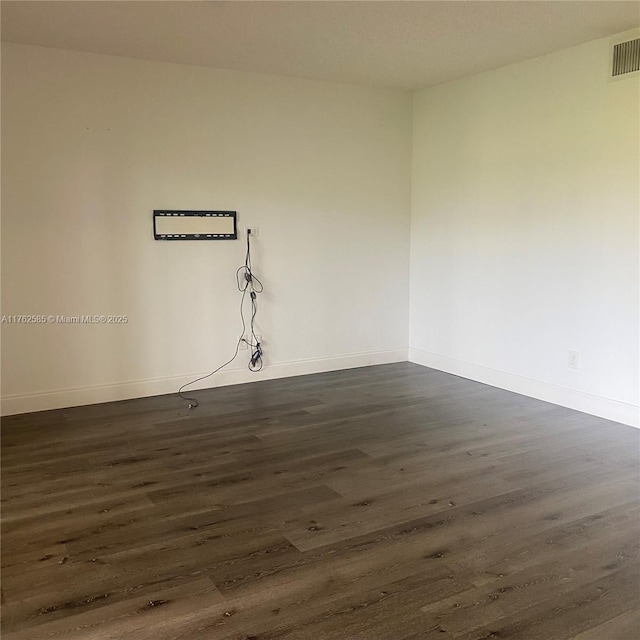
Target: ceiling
408, 45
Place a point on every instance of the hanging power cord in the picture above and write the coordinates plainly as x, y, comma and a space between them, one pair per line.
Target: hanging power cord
247, 283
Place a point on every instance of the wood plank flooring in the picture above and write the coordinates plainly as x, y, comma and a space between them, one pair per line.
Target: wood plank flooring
385, 503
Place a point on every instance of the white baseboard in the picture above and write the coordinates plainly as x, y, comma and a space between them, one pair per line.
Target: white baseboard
608, 408
59, 398
602, 407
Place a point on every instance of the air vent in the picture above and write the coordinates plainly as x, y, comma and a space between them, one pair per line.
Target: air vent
626, 57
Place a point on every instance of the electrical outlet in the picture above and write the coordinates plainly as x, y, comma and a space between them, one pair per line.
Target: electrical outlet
243, 343
253, 231
574, 359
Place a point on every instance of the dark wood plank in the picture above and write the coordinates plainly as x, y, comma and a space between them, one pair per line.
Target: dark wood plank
391, 503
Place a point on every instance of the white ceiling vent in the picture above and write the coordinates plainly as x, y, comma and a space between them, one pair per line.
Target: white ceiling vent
625, 58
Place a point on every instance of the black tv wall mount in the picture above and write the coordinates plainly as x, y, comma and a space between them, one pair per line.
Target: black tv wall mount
169, 224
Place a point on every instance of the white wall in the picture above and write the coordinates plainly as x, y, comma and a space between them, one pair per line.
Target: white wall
92, 144
525, 230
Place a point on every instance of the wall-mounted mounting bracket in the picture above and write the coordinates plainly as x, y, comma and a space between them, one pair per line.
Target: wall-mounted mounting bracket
169, 224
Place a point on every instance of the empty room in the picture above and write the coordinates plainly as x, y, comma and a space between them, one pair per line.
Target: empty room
320, 320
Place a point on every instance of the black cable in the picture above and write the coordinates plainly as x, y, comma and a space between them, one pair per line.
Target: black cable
255, 362
247, 278
193, 403
246, 281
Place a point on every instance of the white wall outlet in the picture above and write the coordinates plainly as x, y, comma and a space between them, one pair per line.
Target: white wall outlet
574, 359
243, 343
253, 231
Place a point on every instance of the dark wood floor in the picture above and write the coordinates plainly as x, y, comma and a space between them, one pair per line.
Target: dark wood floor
391, 502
